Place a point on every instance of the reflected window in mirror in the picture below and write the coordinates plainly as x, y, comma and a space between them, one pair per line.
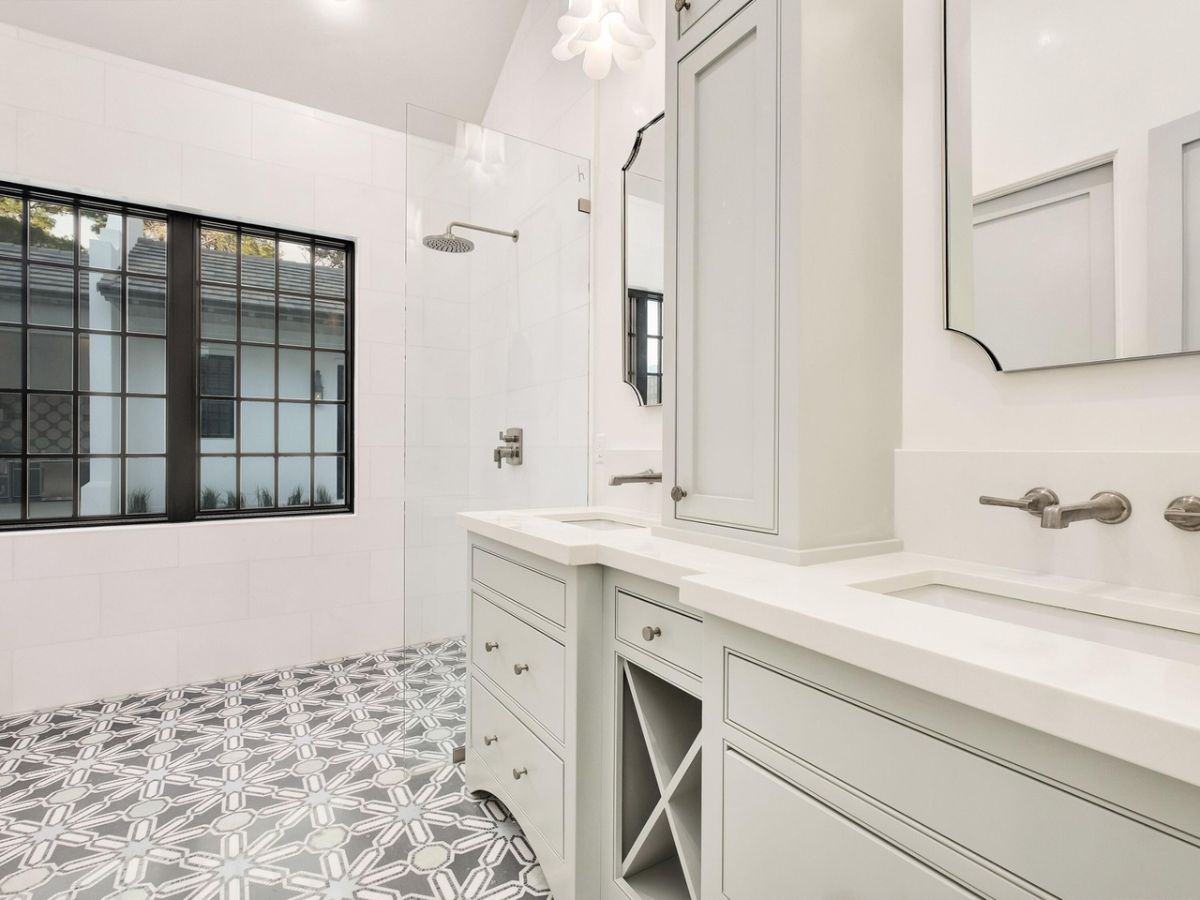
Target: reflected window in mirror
1073, 179
643, 253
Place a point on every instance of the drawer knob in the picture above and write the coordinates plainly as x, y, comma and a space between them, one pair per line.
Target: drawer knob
650, 632
489, 739
520, 667
678, 493
681, 5
490, 646
517, 773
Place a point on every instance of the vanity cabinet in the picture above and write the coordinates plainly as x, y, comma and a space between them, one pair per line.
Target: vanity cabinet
534, 690
934, 797
783, 270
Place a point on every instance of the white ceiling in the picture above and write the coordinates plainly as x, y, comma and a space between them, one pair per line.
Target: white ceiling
360, 58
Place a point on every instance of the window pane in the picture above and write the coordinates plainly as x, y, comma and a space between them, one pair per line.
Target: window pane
51, 296
258, 482
295, 321
147, 306
99, 425
329, 376
218, 256
258, 317
218, 313
11, 432
218, 424
12, 229
50, 355
330, 426
51, 232
218, 483
10, 358
12, 486
218, 370
100, 245
99, 487
258, 372
294, 474
147, 245
331, 325
51, 423
295, 267
146, 486
295, 376
145, 425
100, 301
295, 425
100, 363
258, 427
258, 262
331, 272
10, 290
147, 365
329, 475
51, 488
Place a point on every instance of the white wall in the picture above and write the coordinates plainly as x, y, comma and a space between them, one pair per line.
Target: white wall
965, 425
106, 611
554, 103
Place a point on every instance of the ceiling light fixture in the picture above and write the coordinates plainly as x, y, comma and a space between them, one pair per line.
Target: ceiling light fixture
603, 30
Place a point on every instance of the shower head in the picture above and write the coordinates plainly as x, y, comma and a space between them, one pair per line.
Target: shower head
449, 242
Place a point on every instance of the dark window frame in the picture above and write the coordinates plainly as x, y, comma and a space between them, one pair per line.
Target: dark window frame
182, 454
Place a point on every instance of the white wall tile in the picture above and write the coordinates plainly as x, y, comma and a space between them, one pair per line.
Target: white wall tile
356, 210
217, 651
93, 550
52, 79
140, 101
106, 667
278, 587
132, 602
388, 160
304, 140
49, 611
6, 558
227, 185
386, 365
380, 420
386, 479
6, 704
387, 576
357, 629
376, 525
217, 542
67, 153
8, 141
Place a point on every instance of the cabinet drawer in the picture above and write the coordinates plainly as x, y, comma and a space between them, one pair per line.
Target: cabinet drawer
515, 646
678, 638
504, 744
544, 595
1045, 834
778, 837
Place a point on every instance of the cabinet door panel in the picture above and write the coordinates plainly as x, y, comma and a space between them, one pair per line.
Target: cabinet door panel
726, 273
780, 841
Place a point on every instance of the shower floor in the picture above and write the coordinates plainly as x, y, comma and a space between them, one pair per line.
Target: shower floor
318, 782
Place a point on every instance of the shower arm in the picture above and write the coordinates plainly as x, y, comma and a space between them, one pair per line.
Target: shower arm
515, 235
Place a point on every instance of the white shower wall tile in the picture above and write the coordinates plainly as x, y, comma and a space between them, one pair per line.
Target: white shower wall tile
303, 139
8, 140
214, 651
49, 611
6, 701
157, 599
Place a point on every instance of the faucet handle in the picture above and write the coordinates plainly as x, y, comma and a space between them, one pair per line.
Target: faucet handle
1184, 513
1035, 500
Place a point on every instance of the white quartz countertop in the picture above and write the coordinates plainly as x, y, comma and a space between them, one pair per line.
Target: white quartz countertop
1136, 706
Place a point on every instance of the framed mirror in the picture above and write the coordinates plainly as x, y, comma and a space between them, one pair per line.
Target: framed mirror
642, 253
1073, 179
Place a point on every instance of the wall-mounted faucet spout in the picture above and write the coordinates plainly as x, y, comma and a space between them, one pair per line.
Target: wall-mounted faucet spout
1106, 507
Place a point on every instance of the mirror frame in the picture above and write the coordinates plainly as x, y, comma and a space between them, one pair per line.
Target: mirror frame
633, 155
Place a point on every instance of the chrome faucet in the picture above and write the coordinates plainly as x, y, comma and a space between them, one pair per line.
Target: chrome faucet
647, 477
511, 449
1035, 500
1106, 507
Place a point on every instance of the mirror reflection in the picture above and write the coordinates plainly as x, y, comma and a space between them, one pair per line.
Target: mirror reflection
643, 254
1073, 179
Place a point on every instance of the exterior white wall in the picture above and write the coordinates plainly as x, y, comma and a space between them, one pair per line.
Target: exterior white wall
103, 611
555, 103
967, 428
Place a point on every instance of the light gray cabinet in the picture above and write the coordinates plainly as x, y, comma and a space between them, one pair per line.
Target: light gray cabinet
782, 315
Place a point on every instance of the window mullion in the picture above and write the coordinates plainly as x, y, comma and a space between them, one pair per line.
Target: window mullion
183, 305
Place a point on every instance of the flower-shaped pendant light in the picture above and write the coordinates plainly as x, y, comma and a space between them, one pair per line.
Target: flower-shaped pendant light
603, 30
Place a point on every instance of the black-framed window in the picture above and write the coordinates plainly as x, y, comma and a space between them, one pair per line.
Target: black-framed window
157, 365
645, 339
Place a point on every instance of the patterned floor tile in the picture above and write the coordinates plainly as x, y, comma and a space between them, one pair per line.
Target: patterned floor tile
321, 782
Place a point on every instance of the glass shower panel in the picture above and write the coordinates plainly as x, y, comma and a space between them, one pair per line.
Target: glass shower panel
497, 337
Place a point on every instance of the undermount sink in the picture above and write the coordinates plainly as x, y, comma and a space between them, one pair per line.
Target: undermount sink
602, 524
1155, 640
